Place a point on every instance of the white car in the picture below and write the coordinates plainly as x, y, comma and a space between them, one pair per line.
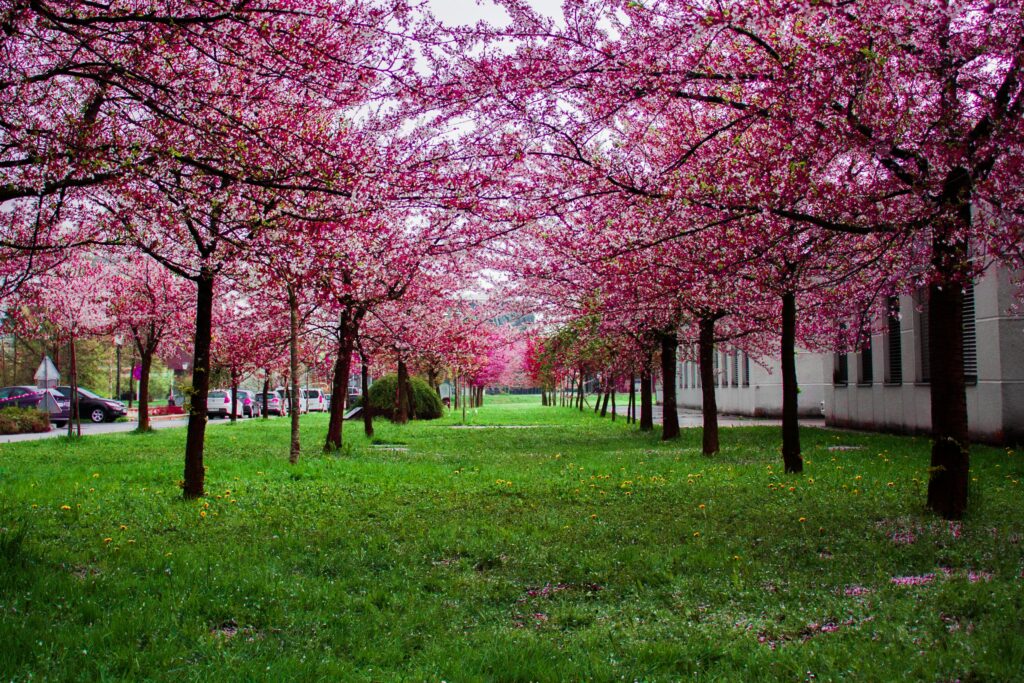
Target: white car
218, 404
315, 401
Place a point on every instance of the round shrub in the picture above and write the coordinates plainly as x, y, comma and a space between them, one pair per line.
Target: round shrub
426, 404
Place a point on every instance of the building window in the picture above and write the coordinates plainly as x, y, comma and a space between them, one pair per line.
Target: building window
968, 332
840, 370
865, 371
924, 351
893, 344
746, 369
970, 336
735, 368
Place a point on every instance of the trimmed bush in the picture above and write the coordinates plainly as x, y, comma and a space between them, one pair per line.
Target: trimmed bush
23, 421
427, 404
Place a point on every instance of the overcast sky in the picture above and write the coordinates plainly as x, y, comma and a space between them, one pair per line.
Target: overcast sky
471, 11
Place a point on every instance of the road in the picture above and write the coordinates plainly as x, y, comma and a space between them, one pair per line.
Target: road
104, 428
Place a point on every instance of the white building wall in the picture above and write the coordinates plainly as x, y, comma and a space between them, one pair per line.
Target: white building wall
762, 397
995, 403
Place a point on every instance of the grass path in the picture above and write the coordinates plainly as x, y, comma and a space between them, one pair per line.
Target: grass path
570, 548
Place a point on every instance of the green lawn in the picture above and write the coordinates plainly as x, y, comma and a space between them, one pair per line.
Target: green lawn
572, 549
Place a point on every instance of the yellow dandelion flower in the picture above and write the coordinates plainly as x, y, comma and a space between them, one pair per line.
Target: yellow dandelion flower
107, 540
124, 527
593, 516
803, 519
696, 534
891, 484
701, 506
65, 507
202, 513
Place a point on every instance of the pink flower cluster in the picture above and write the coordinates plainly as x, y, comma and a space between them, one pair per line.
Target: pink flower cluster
913, 580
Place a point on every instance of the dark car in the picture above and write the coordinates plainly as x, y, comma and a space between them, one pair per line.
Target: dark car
94, 407
48, 400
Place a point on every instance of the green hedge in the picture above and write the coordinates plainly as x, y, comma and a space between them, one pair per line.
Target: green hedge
23, 421
426, 401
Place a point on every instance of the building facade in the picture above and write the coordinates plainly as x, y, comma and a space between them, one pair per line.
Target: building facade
886, 385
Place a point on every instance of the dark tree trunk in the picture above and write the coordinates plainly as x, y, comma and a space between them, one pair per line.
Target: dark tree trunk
631, 405
234, 397
604, 403
613, 402
791, 459
146, 361
367, 411
950, 461
646, 399
195, 473
543, 397
131, 380
670, 417
295, 446
402, 398
579, 391
266, 393
76, 412
709, 406
348, 327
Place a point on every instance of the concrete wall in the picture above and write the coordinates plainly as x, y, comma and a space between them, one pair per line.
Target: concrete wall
763, 396
995, 403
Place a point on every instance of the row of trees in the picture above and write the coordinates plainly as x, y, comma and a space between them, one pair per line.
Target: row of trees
759, 174
754, 173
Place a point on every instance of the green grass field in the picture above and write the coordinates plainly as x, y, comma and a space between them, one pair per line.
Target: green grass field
568, 548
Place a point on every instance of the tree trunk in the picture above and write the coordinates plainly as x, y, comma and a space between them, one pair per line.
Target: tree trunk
131, 380
670, 417
543, 397
293, 365
76, 412
347, 329
646, 404
367, 415
950, 461
604, 403
195, 473
402, 397
613, 402
234, 397
579, 392
709, 406
791, 459
266, 393
631, 404
146, 361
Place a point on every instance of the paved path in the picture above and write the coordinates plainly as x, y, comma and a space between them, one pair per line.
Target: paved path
105, 428
690, 418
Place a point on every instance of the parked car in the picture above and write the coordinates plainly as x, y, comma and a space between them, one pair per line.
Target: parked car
285, 395
276, 404
47, 400
94, 407
315, 401
218, 404
250, 407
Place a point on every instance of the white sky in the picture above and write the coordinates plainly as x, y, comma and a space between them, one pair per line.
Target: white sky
471, 11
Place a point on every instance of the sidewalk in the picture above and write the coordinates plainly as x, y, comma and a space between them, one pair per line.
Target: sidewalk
690, 418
